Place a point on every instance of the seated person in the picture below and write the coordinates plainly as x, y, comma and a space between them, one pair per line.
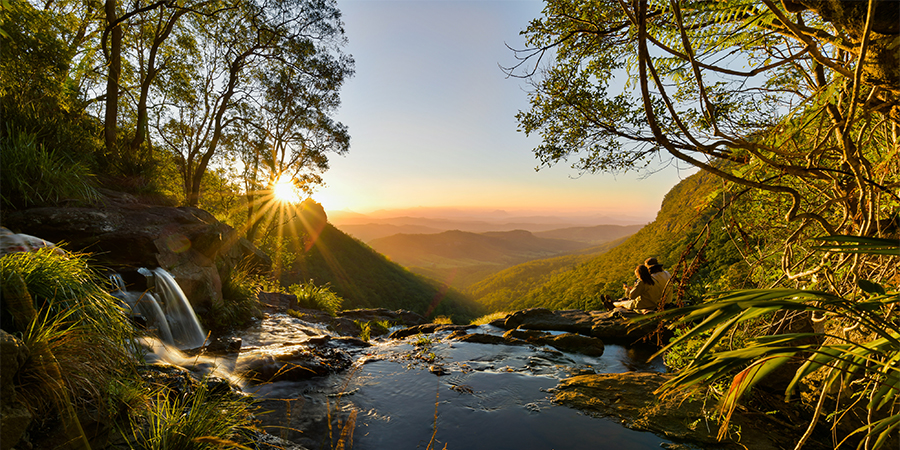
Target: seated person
644, 296
660, 276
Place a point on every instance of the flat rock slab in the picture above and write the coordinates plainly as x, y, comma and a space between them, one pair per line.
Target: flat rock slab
618, 325
293, 364
632, 399
428, 328
400, 317
568, 342
571, 320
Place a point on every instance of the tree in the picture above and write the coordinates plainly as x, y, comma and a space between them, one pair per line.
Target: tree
811, 122
294, 132
247, 55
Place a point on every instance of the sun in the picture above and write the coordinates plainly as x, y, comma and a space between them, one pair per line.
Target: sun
285, 191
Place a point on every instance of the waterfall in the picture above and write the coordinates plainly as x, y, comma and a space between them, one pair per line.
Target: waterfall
145, 305
177, 325
186, 329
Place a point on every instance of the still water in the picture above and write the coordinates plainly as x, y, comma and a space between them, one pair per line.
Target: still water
487, 397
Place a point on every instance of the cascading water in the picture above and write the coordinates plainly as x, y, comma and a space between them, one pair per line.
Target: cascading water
186, 329
177, 325
145, 305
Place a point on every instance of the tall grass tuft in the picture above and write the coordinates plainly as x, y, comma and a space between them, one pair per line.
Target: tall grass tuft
80, 342
32, 175
240, 298
484, 320
198, 420
316, 297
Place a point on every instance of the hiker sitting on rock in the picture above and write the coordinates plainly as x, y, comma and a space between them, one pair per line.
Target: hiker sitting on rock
660, 276
644, 296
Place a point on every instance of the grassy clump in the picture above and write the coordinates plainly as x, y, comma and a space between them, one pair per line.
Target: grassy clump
372, 328
240, 299
486, 319
32, 175
316, 297
442, 320
79, 341
83, 363
198, 420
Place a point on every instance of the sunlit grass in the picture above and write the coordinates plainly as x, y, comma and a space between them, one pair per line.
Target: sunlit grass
442, 320
486, 319
196, 421
316, 297
79, 341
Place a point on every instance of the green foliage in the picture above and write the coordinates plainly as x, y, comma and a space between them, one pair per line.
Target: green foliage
316, 297
857, 352
372, 328
39, 92
240, 302
366, 279
799, 154
81, 346
488, 318
34, 175
199, 420
63, 283
678, 238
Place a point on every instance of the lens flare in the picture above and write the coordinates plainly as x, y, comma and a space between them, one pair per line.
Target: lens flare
285, 191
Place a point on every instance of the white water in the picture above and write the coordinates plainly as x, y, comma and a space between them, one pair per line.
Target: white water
177, 326
186, 329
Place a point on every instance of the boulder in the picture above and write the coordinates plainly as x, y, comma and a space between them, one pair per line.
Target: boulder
124, 236
427, 329
481, 338
618, 326
298, 363
568, 342
571, 320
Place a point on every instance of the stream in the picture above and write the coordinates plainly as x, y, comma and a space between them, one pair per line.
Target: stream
431, 392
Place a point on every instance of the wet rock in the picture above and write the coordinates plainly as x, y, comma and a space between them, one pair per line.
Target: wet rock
14, 417
122, 235
572, 320
428, 329
224, 345
294, 364
621, 327
481, 338
438, 370
349, 341
284, 302
280, 302
568, 342
631, 398
13, 354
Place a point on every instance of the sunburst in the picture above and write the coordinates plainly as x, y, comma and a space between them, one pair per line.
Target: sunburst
285, 191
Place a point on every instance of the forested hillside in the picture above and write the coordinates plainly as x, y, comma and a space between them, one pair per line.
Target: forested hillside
593, 235
460, 258
578, 282
366, 279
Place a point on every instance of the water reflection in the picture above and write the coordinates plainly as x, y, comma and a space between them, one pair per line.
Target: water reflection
494, 396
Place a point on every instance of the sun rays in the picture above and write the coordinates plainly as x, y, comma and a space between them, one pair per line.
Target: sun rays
283, 190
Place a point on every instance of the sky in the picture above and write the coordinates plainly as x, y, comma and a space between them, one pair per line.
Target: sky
431, 116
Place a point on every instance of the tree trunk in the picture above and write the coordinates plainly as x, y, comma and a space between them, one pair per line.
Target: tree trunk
112, 78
